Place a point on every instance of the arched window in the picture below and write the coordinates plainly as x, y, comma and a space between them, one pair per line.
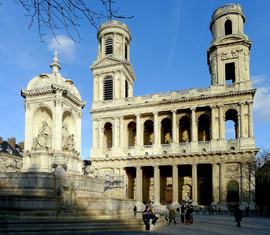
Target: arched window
231, 127
166, 131
233, 191
228, 27
184, 129
203, 128
108, 88
126, 51
109, 46
148, 133
108, 135
126, 91
131, 134
230, 73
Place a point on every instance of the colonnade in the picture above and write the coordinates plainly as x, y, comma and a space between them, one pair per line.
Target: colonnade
217, 126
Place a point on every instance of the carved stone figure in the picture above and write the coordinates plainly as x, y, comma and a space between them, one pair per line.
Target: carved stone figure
168, 138
90, 170
9, 165
44, 138
68, 196
67, 139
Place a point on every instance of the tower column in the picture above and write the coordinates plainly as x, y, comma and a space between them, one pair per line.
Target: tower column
250, 119
116, 131
138, 129
222, 192
175, 185
221, 123
213, 108
242, 130
174, 129
156, 185
156, 129
121, 132
193, 125
95, 132
194, 185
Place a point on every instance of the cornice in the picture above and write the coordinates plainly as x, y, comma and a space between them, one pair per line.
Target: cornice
181, 155
174, 101
51, 90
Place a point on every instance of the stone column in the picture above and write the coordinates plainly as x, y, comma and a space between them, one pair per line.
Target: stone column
128, 56
213, 136
193, 125
156, 185
138, 186
175, 185
121, 131
103, 46
194, 185
114, 130
156, 129
215, 183
222, 192
58, 117
95, 87
250, 119
95, 132
242, 133
100, 89
114, 44
101, 137
138, 129
174, 124
221, 123
123, 46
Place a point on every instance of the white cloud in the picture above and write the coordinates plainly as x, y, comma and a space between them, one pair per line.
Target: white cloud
65, 46
258, 80
262, 104
230, 131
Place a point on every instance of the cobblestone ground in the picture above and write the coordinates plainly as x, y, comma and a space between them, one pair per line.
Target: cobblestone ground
212, 224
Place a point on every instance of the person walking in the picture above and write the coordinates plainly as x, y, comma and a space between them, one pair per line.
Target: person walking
183, 214
238, 215
191, 214
172, 216
146, 218
153, 216
188, 216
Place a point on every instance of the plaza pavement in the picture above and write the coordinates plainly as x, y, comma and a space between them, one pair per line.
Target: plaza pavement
212, 224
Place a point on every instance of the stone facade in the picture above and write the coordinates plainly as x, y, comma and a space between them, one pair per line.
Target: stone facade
169, 147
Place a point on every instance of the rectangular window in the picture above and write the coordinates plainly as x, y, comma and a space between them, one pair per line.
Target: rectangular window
230, 73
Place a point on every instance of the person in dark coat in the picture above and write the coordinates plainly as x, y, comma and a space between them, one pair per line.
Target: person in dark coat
188, 216
153, 216
172, 215
238, 215
191, 214
146, 218
183, 214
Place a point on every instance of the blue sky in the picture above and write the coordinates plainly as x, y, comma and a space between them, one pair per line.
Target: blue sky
168, 52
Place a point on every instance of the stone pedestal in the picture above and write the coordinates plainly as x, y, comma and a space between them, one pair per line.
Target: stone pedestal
40, 161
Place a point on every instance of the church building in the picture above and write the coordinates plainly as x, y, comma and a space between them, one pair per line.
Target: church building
171, 147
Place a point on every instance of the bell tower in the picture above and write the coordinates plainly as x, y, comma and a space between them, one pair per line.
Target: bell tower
228, 55
112, 71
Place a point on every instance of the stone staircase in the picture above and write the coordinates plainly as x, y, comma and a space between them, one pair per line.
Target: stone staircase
56, 227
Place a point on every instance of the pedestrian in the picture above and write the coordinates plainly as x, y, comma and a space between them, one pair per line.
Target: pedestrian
172, 215
153, 216
191, 214
188, 216
238, 215
183, 214
146, 218
177, 209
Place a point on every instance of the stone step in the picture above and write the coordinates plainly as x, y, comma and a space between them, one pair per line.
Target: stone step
41, 227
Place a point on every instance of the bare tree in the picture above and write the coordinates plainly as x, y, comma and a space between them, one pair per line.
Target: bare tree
68, 13
257, 174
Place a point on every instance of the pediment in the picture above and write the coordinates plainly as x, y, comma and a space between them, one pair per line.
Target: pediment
112, 61
230, 39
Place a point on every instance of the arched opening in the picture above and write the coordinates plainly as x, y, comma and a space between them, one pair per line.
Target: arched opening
42, 128
203, 128
231, 124
126, 51
233, 191
148, 133
166, 131
230, 73
184, 130
108, 135
131, 134
186, 192
108, 88
109, 46
68, 131
228, 27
